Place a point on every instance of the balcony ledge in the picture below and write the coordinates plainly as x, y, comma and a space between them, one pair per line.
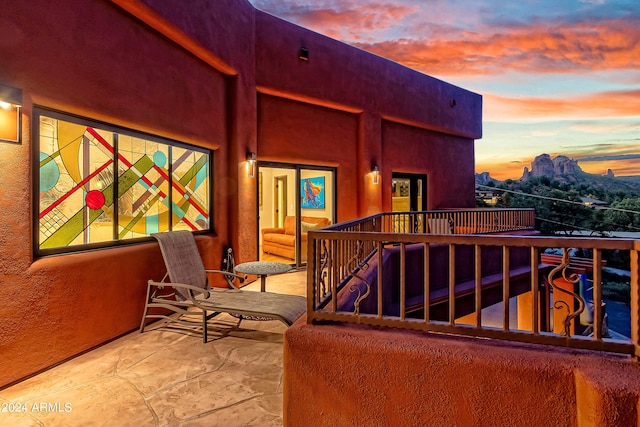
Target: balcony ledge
349, 374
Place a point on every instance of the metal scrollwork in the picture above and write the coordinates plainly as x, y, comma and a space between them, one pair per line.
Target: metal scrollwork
451, 224
417, 227
353, 287
324, 261
571, 278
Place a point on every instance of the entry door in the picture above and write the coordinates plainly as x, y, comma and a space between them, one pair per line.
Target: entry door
408, 192
292, 199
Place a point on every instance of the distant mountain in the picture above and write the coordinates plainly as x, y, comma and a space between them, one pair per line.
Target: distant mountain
635, 179
483, 178
566, 170
544, 165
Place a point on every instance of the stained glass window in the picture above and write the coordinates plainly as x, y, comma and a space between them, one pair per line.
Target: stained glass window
161, 185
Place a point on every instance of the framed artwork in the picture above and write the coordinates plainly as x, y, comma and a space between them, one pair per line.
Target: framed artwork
312, 193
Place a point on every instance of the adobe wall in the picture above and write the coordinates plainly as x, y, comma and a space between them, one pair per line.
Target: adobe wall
301, 133
450, 177
222, 34
94, 60
194, 72
356, 375
341, 76
406, 121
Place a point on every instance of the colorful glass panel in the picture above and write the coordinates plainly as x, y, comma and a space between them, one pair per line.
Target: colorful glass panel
76, 184
78, 204
144, 187
190, 177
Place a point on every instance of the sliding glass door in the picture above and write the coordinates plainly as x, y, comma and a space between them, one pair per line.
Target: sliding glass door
408, 192
292, 199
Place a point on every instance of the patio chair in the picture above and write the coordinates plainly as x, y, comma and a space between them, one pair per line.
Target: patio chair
190, 292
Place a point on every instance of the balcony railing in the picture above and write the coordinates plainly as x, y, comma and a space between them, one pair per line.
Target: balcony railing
386, 270
455, 221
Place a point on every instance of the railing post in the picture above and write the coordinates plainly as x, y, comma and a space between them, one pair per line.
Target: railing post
427, 282
635, 299
403, 280
597, 294
535, 292
506, 265
478, 288
312, 274
334, 274
380, 248
452, 284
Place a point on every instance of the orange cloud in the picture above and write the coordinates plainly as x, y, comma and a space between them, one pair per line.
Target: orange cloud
542, 46
539, 47
501, 170
343, 20
598, 105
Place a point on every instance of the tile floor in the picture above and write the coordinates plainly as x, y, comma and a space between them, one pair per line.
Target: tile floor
165, 378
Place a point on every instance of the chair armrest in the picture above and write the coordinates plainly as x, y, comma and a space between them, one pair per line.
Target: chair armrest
272, 230
195, 289
241, 279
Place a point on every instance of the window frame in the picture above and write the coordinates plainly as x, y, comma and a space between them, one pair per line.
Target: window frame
39, 111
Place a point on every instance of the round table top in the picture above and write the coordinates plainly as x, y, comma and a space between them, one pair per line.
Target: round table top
262, 268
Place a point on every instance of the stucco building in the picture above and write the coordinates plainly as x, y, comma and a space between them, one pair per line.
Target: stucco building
128, 117
175, 97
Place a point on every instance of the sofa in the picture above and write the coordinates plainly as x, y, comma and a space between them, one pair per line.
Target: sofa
281, 241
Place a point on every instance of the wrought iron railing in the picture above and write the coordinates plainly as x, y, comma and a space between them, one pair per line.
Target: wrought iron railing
364, 272
455, 221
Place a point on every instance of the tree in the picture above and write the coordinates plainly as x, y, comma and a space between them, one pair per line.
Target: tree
559, 207
624, 215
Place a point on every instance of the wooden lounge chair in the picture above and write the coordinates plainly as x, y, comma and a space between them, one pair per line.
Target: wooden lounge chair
191, 294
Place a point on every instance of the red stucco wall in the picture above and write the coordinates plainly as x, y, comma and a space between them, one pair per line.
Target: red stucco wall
339, 375
450, 177
222, 34
96, 61
195, 72
348, 78
296, 132
405, 119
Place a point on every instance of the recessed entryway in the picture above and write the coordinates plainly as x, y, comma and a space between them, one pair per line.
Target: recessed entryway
292, 199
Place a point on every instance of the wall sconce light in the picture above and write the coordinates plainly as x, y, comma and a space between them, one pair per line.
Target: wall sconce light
251, 160
375, 175
10, 117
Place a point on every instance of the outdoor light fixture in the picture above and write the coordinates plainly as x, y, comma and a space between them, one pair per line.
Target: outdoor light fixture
251, 160
10, 117
303, 54
375, 175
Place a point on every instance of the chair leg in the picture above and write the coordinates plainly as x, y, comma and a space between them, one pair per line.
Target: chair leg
146, 309
204, 326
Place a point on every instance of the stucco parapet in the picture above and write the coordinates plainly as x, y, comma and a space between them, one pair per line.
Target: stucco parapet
347, 75
531, 384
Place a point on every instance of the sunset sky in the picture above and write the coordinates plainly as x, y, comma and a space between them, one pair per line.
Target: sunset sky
557, 76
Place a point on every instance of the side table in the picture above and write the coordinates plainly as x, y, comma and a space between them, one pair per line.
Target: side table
262, 269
